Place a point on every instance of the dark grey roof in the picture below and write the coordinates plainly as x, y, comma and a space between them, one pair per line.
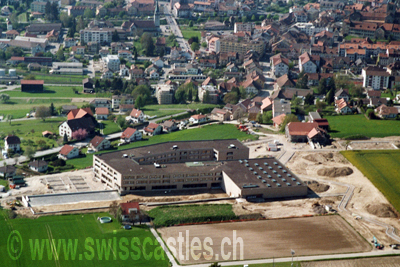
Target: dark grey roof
12, 140
82, 123
38, 163
8, 169
43, 27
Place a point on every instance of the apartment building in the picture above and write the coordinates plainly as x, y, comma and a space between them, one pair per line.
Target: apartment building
121, 99
375, 77
196, 165
165, 94
38, 7
208, 94
243, 27
111, 62
240, 45
96, 34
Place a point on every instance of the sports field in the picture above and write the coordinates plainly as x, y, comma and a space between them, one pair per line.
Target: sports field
382, 168
265, 239
76, 240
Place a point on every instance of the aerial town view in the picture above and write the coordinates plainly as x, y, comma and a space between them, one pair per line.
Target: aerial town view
200, 133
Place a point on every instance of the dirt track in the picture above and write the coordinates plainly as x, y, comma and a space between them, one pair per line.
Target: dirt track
273, 238
371, 262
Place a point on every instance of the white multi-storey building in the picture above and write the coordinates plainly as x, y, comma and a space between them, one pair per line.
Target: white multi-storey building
375, 77
111, 62
96, 34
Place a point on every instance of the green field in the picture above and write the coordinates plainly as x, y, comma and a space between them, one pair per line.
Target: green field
382, 168
110, 127
19, 107
173, 215
209, 132
87, 242
22, 17
347, 125
165, 110
187, 34
55, 91
59, 79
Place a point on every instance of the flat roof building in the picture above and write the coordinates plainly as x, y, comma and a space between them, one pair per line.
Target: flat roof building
196, 165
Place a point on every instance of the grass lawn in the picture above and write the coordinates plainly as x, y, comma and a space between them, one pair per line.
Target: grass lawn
55, 91
382, 168
22, 17
187, 34
20, 107
346, 125
165, 110
59, 79
110, 127
173, 215
4, 183
32, 130
78, 240
209, 132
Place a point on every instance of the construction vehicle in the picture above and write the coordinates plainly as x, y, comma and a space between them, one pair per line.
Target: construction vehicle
242, 128
376, 244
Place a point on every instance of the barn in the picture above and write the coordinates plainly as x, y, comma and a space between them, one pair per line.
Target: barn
32, 86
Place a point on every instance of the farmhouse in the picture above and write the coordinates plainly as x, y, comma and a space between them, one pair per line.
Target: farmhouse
32, 86
102, 113
386, 112
305, 132
70, 126
68, 152
12, 142
149, 169
38, 165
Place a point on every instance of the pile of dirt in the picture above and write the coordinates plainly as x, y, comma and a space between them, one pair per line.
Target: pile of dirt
317, 187
335, 171
318, 208
319, 157
382, 210
327, 202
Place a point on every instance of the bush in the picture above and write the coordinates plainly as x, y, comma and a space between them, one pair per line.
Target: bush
356, 137
58, 163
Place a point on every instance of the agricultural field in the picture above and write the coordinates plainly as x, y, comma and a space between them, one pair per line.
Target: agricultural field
90, 242
382, 168
55, 91
271, 238
173, 215
57, 79
209, 132
366, 262
187, 34
347, 125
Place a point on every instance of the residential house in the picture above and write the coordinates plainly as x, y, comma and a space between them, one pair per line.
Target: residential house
386, 112
373, 94
279, 65
99, 143
11, 34
137, 116
130, 134
13, 143
305, 132
208, 94
107, 74
102, 113
283, 82
278, 120
80, 113
199, 118
342, 107
153, 75
126, 108
153, 129
266, 105
78, 50
130, 211
308, 63
220, 114
123, 70
68, 152
38, 165
342, 94
125, 54
111, 62
169, 126
158, 62
280, 106
7, 171
121, 99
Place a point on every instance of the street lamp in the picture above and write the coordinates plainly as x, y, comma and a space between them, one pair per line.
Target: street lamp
292, 251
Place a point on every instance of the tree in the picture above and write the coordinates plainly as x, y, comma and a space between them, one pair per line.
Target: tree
142, 90
356, 91
332, 85
147, 44
65, 138
320, 105
204, 44
243, 92
89, 13
288, 118
115, 36
207, 98
322, 86
4, 98
79, 134
302, 81
215, 264
52, 109
231, 98
190, 95
253, 18
309, 99
29, 152
330, 97
139, 102
60, 55
42, 112
9, 118
191, 24
114, 207
244, 19
30, 77
195, 46
296, 101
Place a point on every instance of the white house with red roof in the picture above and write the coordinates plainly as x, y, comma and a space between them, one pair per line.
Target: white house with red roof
12, 142
68, 152
279, 65
136, 116
99, 143
306, 64
102, 113
153, 129
130, 211
130, 134
199, 118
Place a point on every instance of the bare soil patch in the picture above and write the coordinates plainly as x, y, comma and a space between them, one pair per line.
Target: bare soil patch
367, 262
382, 210
270, 238
335, 171
318, 208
